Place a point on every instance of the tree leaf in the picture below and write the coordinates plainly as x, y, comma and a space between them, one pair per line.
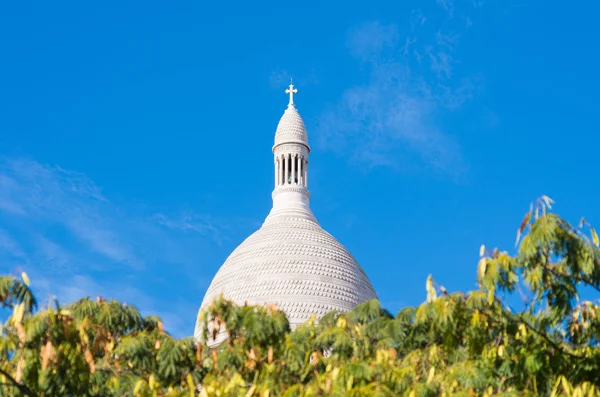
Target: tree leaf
431, 375
595, 237
270, 355
431, 293
548, 201
19, 374
191, 385
250, 391
481, 268
525, 221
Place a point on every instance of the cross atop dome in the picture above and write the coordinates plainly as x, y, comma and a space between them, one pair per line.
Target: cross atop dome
291, 91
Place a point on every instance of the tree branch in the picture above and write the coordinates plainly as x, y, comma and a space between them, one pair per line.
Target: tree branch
22, 388
554, 344
517, 319
573, 276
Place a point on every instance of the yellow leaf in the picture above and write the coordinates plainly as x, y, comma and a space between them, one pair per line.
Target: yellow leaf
152, 382
525, 221
314, 358
215, 359
19, 374
18, 313
595, 237
335, 373
481, 250
190, 382
491, 295
555, 388
47, 354
500, 350
433, 352
350, 382
565, 384
21, 333
548, 201
89, 358
251, 391
481, 268
431, 293
138, 386
25, 278
431, 375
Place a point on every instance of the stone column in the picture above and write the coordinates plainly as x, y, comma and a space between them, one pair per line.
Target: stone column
286, 168
281, 162
306, 172
293, 158
300, 170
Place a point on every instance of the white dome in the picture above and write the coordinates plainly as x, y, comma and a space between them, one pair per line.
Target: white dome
296, 265
291, 128
291, 261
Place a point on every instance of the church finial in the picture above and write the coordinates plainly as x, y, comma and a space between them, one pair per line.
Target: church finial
291, 91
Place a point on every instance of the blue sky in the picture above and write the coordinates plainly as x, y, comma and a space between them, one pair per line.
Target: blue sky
135, 137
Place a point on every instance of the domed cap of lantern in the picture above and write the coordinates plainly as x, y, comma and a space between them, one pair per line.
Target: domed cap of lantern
291, 128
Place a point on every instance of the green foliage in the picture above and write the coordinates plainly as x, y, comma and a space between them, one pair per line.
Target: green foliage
458, 344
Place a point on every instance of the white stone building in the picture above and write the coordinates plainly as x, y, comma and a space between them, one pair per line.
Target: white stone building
291, 261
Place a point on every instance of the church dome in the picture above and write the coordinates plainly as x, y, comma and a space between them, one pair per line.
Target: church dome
291, 261
295, 264
291, 128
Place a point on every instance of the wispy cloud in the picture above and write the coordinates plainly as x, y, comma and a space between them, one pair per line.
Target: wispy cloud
36, 194
74, 241
9, 247
448, 6
411, 78
177, 314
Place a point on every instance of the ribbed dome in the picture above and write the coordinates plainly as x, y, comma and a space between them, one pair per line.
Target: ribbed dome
291, 128
296, 265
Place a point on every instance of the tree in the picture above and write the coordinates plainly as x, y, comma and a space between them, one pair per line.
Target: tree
457, 344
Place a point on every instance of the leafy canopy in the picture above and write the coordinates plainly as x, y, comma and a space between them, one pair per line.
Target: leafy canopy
454, 344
